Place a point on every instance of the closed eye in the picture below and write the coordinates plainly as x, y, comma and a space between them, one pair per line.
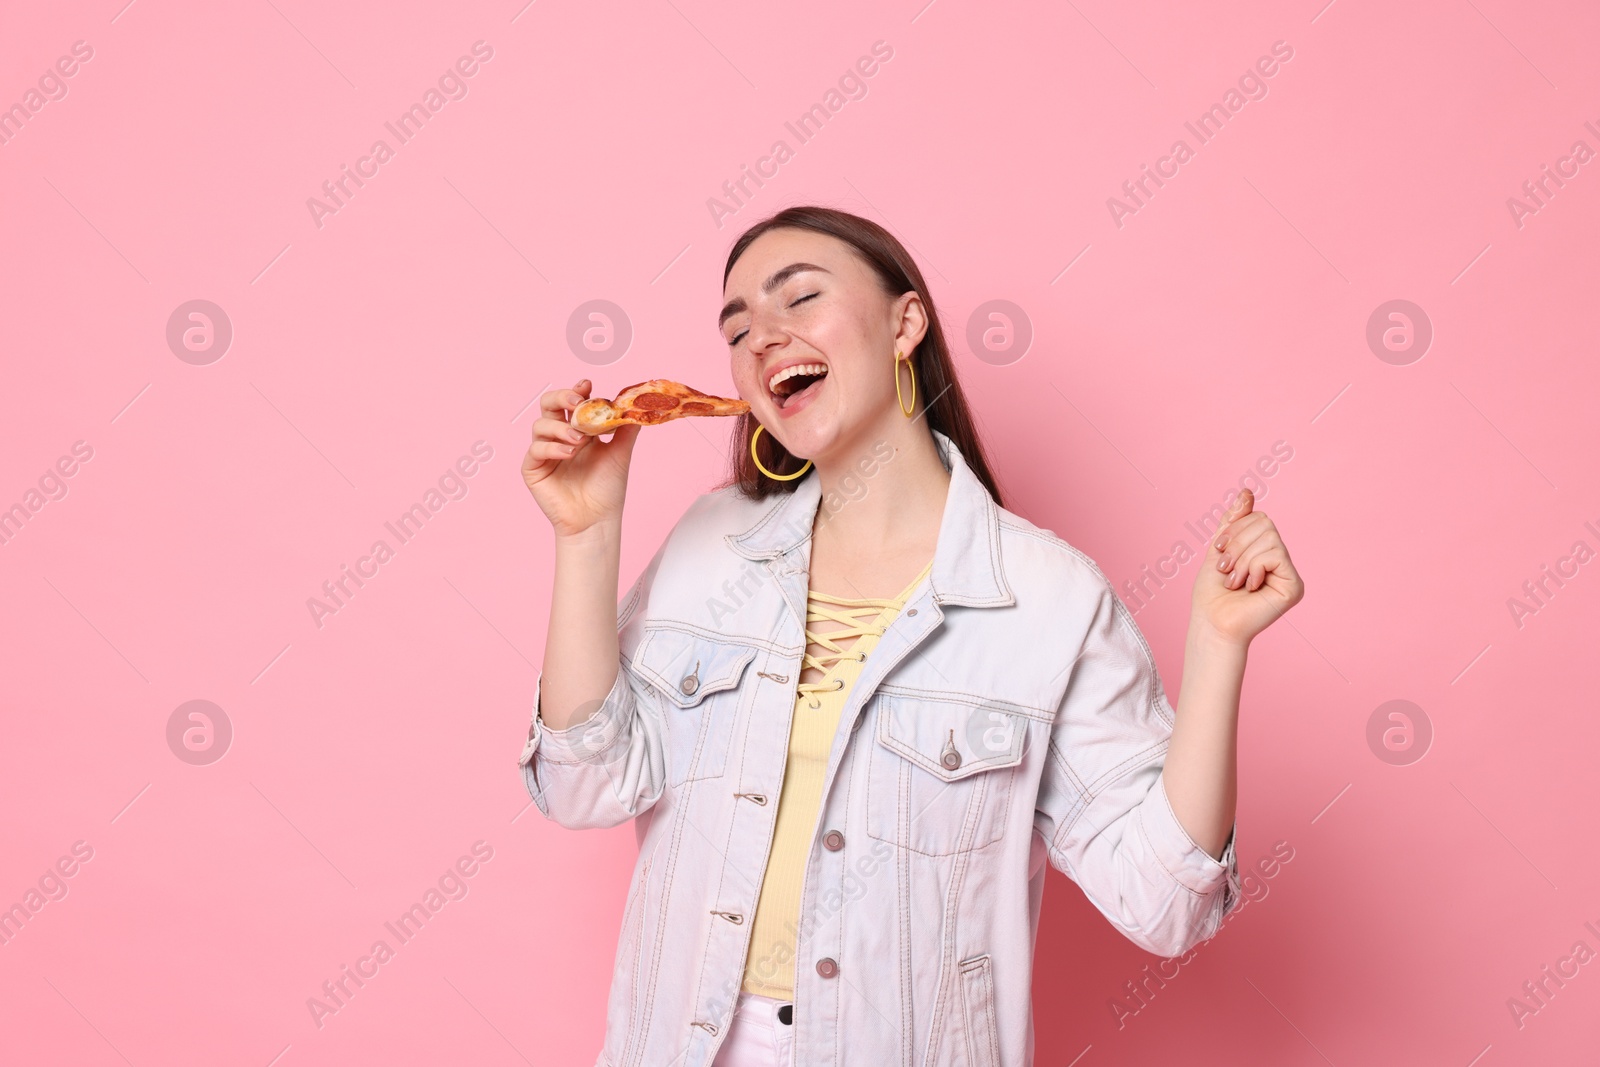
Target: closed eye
735, 338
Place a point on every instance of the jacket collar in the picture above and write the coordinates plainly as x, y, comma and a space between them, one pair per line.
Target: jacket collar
966, 560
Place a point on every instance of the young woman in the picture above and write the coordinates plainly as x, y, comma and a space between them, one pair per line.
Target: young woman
854, 705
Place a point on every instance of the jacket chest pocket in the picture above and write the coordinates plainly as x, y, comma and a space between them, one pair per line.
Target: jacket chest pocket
940, 771
697, 679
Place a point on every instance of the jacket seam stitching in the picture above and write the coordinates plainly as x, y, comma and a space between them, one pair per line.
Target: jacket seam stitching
948, 973
771, 515
956, 696
907, 988
1124, 616
992, 514
661, 930
1135, 761
1150, 842
645, 673
717, 637
540, 751
1080, 803
850, 751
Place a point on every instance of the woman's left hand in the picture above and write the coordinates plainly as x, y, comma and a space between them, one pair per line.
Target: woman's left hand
1247, 580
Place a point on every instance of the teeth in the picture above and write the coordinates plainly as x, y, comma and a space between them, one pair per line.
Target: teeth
789, 372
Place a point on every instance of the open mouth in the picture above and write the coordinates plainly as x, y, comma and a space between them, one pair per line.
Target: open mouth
792, 382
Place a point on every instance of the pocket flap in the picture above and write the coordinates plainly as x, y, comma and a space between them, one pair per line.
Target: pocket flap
951, 738
686, 667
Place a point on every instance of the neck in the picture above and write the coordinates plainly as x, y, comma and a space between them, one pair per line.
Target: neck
883, 492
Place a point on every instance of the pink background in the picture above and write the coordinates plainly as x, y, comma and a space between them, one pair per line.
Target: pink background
368, 354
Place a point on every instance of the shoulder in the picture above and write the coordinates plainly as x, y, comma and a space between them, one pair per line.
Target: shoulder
1063, 593
696, 552
697, 580
713, 515
1040, 560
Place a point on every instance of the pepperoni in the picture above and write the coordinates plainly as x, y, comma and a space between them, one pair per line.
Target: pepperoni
655, 401
696, 407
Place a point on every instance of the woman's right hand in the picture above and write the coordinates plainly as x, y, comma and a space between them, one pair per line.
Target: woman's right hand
576, 479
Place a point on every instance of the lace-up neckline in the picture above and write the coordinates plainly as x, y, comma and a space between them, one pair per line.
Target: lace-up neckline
862, 617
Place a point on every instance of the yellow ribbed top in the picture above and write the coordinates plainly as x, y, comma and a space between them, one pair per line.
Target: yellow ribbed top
769, 968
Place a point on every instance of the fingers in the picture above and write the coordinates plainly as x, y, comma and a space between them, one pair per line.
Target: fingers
624, 437
1234, 539
1244, 544
1282, 575
1250, 573
553, 441
1236, 526
551, 428
554, 437
1241, 511
561, 401
543, 452
1252, 555
1257, 572
1242, 504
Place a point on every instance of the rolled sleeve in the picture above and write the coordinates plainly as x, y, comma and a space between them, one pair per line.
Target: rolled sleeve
1186, 861
602, 771
1103, 807
609, 765
578, 741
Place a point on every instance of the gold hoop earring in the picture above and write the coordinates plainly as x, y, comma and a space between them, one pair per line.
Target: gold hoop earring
763, 470
897, 393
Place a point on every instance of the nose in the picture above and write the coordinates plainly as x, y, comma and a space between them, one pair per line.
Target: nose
762, 336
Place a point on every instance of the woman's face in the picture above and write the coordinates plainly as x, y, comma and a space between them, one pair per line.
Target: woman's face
805, 300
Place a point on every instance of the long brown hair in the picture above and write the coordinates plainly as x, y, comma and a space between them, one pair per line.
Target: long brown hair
936, 374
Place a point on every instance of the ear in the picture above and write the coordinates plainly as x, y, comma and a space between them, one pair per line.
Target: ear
910, 317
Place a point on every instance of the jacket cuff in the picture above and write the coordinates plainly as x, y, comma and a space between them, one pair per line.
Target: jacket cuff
581, 741
1193, 867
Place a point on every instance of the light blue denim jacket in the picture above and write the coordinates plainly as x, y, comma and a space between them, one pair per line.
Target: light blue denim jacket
1011, 714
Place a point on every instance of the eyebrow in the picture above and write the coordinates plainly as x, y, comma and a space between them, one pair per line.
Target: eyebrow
737, 304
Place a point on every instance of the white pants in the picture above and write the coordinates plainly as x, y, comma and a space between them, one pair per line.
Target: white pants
757, 1037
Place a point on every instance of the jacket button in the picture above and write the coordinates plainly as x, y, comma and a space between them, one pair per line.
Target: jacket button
827, 968
690, 683
833, 841
951, 759
913, 611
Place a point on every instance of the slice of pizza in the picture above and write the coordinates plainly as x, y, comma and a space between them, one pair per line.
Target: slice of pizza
648, 403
